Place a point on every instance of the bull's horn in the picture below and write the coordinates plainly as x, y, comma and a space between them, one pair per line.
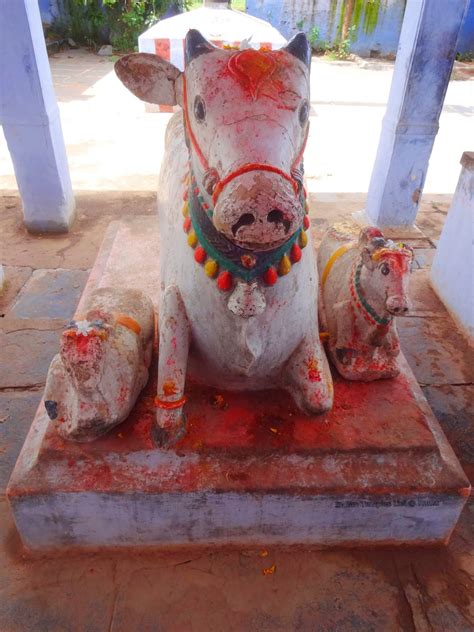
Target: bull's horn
196, 45
299, 47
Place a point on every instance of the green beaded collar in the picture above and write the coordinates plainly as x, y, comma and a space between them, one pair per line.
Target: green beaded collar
379, 320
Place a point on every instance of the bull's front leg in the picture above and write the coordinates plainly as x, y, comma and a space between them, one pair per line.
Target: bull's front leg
174, 339
391, 342
343, 350
308, 378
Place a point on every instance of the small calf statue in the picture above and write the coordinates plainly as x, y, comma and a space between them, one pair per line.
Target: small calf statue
103, 364
363, 285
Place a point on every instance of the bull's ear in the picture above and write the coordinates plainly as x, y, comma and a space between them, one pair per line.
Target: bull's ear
196, 45
150, 78
299, 47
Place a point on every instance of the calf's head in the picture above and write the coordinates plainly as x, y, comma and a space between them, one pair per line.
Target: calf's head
84, 346
389, 266
246, 122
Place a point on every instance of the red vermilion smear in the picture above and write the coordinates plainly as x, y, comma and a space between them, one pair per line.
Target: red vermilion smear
169, 388
398, 260
248, 168
82, 344
162, 48
252, 69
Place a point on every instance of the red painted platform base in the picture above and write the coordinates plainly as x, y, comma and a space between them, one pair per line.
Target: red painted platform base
251, 470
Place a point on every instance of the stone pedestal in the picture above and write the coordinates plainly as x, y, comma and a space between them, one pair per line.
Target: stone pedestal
251, 470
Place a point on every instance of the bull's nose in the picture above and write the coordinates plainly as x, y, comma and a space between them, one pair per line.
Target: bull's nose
397, 306
275, 216
247, 219
400, 310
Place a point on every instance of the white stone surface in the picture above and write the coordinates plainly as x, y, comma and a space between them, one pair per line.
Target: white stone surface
216, 518
452, 272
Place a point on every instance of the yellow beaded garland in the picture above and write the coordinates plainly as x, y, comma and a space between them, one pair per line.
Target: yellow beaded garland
185, 209
211, 268
192, 239
303, 239
284, 266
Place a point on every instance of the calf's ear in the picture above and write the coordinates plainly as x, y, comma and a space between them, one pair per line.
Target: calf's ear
150, 78
367, 259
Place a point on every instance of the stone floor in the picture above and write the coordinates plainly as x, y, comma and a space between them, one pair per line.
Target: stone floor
211, 590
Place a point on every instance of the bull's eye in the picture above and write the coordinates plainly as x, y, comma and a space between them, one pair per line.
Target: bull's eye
303, 114
385, 269
199, 109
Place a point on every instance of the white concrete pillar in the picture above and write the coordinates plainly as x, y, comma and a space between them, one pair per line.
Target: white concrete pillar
452, 272
424, 63
29, 115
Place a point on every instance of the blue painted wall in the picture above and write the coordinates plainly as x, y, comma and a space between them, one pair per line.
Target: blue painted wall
49, 10
289, 17
466, 36
380, 37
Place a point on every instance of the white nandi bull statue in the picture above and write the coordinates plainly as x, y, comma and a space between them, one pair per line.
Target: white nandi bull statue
103, 363
364, 284
239, 285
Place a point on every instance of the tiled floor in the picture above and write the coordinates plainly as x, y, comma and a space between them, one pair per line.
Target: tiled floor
334, 590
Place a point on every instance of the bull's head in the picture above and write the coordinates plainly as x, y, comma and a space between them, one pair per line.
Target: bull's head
388, 266
246, 121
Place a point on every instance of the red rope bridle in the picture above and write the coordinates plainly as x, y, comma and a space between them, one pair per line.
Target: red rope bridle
246, 168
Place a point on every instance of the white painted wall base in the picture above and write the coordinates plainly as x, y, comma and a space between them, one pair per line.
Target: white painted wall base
410, 231
94, 520
452, 272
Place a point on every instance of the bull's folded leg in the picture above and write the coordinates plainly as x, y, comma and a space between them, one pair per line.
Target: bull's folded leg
173, 358
308, 378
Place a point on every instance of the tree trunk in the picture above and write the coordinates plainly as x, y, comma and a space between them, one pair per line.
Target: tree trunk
348, 11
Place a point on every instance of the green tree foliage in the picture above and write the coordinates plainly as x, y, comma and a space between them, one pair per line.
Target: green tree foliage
119, 22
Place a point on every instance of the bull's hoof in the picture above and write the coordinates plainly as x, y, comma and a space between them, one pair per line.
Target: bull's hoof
313, 400
313, 392
344, 355
308, 379
170, 428
367, 371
